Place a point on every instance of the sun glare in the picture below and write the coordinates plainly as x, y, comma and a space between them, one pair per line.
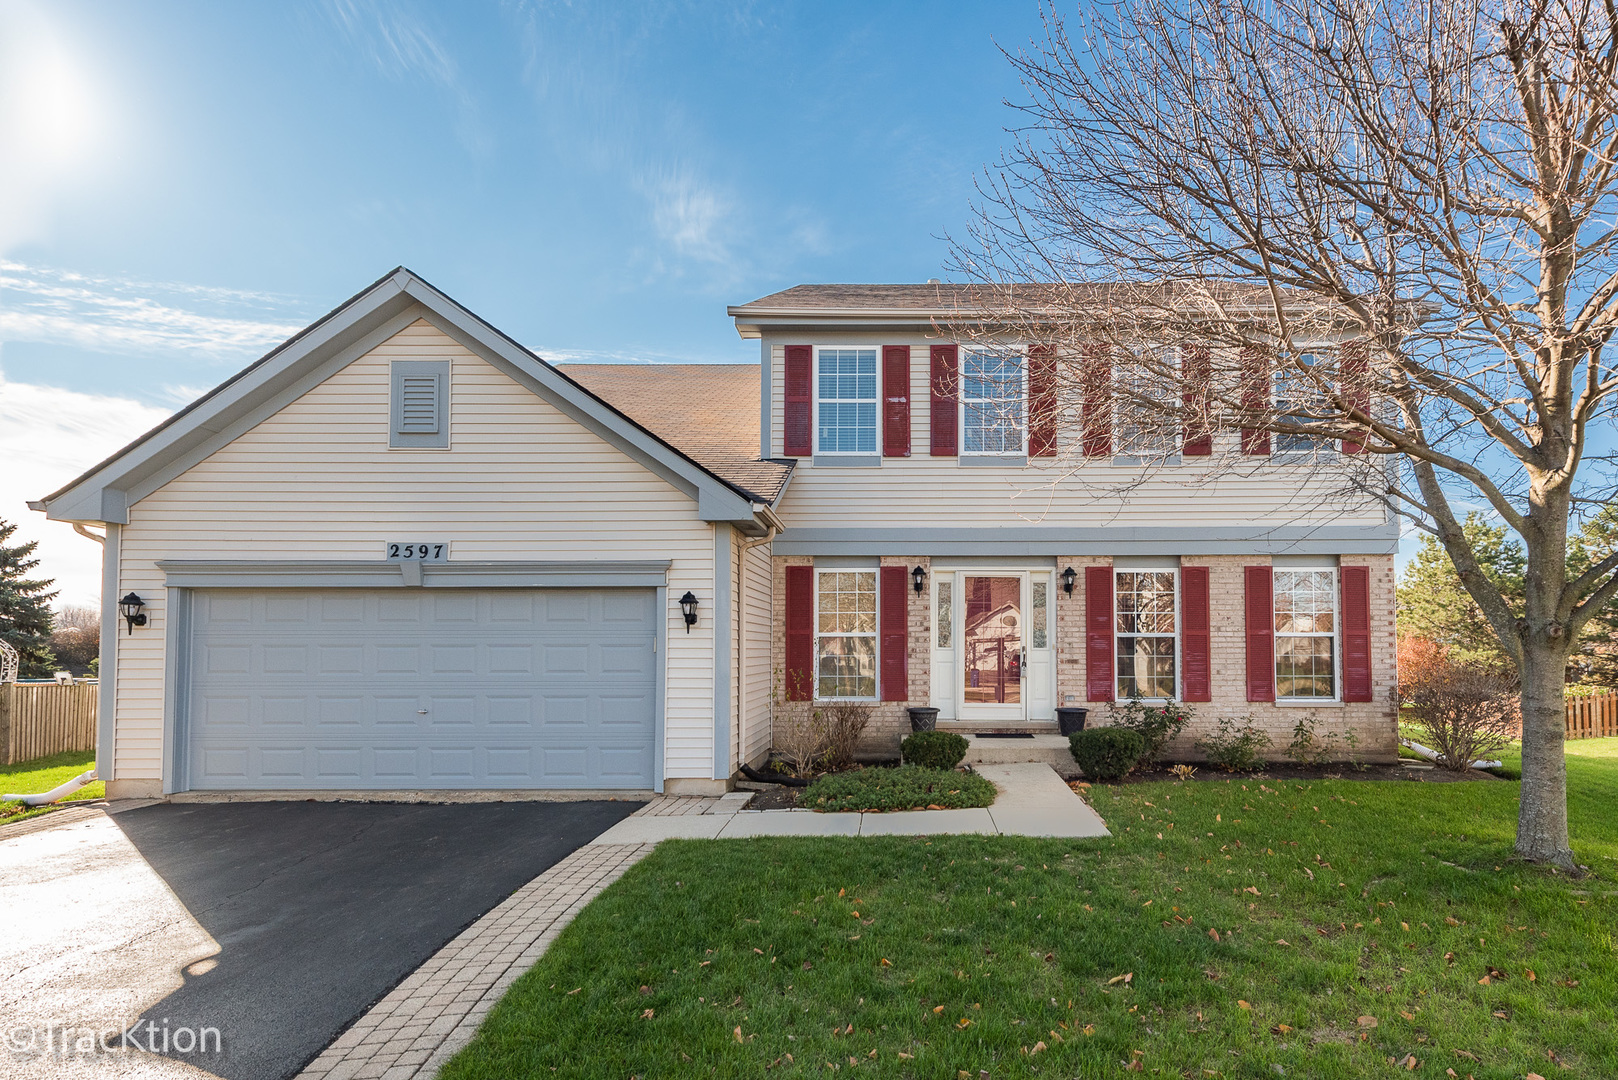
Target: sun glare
48, 112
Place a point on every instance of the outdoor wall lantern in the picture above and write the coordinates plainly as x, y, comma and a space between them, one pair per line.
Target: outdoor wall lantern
131, 606
919, 576
1068, 578
688, 607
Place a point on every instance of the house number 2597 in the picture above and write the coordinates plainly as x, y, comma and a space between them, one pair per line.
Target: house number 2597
431, 551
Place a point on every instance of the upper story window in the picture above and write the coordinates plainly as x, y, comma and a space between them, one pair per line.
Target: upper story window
1306, 634
1299, 399
845, 634
994, 394
1142, 426
846, 401
1146, 623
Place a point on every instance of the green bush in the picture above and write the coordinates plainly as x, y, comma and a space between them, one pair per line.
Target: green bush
909, 787
1235, 749
1157, 725
1106, 753
933, 749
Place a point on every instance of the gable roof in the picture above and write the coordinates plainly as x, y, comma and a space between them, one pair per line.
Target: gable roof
105, 492
709, 411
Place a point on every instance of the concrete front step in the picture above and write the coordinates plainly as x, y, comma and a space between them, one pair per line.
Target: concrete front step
1048, 749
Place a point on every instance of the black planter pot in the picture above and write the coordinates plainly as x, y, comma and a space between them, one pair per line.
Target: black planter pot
923, 718
1071, 721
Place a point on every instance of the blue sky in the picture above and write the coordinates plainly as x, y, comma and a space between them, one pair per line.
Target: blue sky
191, 182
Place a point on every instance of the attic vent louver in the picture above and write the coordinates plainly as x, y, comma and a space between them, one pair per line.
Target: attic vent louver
420, 404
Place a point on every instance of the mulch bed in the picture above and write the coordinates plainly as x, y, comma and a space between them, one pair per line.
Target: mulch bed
1285, 770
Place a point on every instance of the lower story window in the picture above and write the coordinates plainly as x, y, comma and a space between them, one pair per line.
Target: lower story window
845, 634
1306, 634
1145, 633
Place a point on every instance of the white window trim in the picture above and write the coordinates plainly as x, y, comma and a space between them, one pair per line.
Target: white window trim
1336, 635
1178, 673
960, 397
814, 418
1324, 349
1172, 441
875, 636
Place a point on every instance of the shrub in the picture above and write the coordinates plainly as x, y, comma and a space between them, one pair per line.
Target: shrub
908, 788
799, 731
845, 722
933, 749
1106, 753
1235, 749
1466, 712
1157, 725
1308, 747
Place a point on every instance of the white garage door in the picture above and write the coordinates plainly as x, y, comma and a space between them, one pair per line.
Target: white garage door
419, 688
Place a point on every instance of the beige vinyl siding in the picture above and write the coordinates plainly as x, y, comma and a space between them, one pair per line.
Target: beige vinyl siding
520, 481
756, 623
1067, 491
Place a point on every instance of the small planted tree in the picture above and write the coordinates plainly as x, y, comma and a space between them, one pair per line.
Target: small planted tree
1465, 711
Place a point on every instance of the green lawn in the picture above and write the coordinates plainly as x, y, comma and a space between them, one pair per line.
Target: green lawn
42, 774
1229, 927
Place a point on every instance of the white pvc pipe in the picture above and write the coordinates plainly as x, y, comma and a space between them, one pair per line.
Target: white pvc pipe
1434, 755
60, 792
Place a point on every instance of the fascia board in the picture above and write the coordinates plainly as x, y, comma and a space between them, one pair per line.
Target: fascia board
716, 501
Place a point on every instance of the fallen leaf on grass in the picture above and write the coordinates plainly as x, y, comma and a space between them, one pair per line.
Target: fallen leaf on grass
759, 951
1213, 933
1089, 1029
1244, 1005
1529, 975
963, 1023
575, 990
1126, 977
1282, 941
1366, 1021
906, 1057
1500, 1015
938, 1009
1252, 890
1533, 1076
1280, 1029
1467, 1054
1407, 1016
647, 1015
738, 1033
885, 963
1483, 981
1037, 1048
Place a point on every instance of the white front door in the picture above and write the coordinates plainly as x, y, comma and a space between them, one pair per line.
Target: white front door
991, 646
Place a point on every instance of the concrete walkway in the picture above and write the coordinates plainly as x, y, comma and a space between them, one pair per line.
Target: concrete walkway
1033, 801
430, 1016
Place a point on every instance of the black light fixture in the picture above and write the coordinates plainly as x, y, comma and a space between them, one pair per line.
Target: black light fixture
131, 606
1068, 578
919, 576
688, 607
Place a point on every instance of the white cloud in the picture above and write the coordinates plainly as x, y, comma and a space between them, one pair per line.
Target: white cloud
692, 217
48, 436
125, 315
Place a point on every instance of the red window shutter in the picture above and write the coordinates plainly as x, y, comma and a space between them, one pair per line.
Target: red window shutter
895, 401
1356, 582
1255, 399
1196, 682
1041, 401
946, 391
1260, 634
1355, 386
1196, 370
800, 633
894, 600
799, 404
1096, 377
1098, 632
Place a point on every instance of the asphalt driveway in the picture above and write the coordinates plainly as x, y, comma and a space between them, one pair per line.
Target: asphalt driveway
277, 924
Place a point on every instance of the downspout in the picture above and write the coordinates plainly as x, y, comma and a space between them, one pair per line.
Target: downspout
772, 529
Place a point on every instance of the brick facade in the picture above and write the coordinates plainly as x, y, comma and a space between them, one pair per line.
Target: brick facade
1374, 723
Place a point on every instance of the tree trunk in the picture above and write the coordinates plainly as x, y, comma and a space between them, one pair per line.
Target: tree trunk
1542, 803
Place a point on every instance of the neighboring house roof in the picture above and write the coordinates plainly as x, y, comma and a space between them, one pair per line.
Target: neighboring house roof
710, 412
383, 309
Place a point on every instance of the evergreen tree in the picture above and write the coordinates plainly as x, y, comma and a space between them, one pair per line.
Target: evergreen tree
25, 614
1434, 605
1596, 663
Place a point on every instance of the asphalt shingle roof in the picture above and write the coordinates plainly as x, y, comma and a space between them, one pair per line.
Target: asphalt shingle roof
709, 412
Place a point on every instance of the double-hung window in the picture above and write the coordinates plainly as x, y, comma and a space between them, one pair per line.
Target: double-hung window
994, 395
1142, 419
845, 634
1305, 634
1145, 608
846, 401
1301, 400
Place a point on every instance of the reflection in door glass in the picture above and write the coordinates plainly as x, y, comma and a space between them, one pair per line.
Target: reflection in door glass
944, 614
1037, 617
992, 640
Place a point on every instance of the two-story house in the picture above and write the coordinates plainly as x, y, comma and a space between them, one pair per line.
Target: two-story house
401, 552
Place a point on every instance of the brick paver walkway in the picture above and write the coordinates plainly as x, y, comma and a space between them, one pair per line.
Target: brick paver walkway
436, 1010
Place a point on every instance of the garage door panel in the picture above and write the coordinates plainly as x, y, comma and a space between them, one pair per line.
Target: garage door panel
394, 689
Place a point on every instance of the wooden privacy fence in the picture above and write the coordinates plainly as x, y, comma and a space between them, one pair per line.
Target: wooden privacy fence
38, 719
1592, 717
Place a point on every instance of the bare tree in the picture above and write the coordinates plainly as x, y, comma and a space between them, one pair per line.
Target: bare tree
1384, 232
